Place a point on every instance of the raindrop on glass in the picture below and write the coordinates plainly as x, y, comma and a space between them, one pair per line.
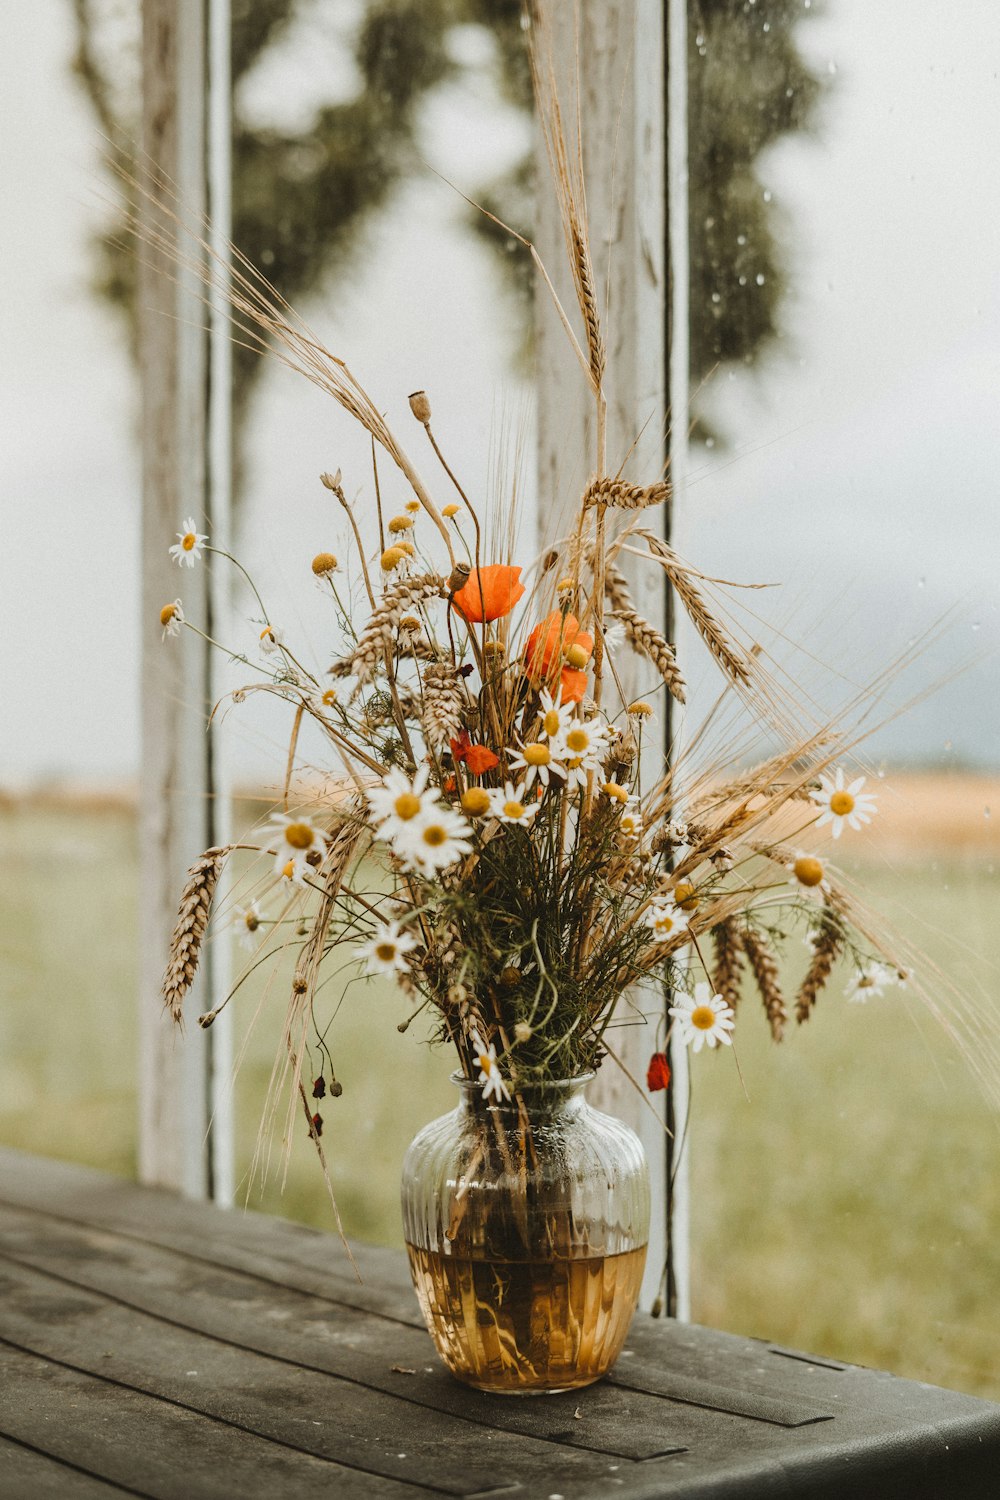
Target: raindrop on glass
977, 624
760, 278
767, 26
710, 442
767, 195
831, 67
699, 40
716, 297
741, 239
921, 583
743, 281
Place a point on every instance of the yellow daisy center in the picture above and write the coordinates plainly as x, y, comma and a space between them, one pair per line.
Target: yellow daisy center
412, 506
299, 835
665, 923
475, 801
577, 656
551, 722
513, 809
685, 896
435, 835
252, 922
807, 870
841, 803
167, 613
189, 541
323, 562
612, 789
386, 952
330, 697
537, 755
449, 510
267, 634
406, 806
703, 1017
485, 1062
400, 523
577, 740
289, 869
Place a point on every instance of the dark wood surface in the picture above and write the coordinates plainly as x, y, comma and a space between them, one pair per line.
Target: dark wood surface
155, 1347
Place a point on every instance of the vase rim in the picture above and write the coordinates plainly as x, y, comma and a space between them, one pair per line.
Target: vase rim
548, 1085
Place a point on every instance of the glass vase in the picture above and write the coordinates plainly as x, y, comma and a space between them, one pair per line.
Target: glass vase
526, 1225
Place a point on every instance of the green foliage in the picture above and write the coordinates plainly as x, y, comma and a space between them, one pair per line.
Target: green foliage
302, 201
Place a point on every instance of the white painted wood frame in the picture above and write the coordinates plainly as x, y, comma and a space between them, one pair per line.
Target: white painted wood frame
616, 49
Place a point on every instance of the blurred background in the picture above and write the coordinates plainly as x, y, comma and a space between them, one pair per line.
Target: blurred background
845, 326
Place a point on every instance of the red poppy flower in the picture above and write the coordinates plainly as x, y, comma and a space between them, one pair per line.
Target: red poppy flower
658, 1073
489, 593
480, 758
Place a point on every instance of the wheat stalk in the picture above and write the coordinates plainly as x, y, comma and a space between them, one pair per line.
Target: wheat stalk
620, 495
189, 930
728, 962
764, 968
443, 705
829, 941
377, 637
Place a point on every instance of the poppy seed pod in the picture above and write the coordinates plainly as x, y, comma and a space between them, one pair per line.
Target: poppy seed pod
420, 406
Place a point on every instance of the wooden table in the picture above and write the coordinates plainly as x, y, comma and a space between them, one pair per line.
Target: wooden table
150, 1346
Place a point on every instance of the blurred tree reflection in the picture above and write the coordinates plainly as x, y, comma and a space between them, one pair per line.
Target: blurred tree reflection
302, 200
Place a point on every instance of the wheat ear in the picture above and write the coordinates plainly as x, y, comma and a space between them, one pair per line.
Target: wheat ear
192, 922
728, 962
623, 496
764, 968
829, 941
732, 661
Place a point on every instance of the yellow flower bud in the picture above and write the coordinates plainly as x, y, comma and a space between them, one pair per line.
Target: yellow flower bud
400, 523
391, 558
323, 562
685, 895
475, 801
641, 709
451, 509
577, 656
616, 792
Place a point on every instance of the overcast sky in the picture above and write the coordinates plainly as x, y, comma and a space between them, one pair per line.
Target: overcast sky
864, 461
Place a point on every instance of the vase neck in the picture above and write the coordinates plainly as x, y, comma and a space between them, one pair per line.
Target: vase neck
560, 1096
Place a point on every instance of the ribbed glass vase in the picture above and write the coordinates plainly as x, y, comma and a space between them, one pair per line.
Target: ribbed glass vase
526, 1225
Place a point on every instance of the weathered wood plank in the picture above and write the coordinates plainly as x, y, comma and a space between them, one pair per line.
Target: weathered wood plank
26, 1474
335, 1339
302, 1409
149, 1447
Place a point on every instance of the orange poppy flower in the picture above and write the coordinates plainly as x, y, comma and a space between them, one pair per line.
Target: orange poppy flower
549, 640
572, 684
489, 593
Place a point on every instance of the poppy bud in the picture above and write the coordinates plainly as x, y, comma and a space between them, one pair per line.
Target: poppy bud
658, 1072
420, 406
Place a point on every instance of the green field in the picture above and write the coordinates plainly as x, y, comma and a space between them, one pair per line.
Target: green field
850, 1207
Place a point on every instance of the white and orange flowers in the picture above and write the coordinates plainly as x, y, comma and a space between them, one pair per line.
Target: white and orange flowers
871, 982
187, 548
581, 745
399, 801
271, 639
666, 919
433, 841
536, 759
385, 952
171, 618
704, 1019
489, 1069
511, 804
843, 804
296, 844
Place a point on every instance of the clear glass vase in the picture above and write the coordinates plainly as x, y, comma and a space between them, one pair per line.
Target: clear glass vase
526, 1225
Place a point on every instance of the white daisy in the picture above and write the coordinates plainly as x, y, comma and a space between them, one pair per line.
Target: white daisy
432, 841
871, 982
510, 805
705, 1018
271, 639
398, 801
581, 745
489, 1070
247, 920
630, 822
291, 841
171, 618
843, 804
188, 544
386, 952
536, 759
666, 919
555, 717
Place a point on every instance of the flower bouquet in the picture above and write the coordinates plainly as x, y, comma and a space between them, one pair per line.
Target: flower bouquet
503, 834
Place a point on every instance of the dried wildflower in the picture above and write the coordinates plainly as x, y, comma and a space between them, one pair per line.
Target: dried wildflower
489, 593
188, 545
566, 585
640, 709
171, 618
271, 638
808, 870
615, 791
475, 801
450, 510
323, 564
420, 406
686, 896
400, 525
391, 558
319, 1087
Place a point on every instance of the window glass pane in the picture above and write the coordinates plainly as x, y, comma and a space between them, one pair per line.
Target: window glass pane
847, 1207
